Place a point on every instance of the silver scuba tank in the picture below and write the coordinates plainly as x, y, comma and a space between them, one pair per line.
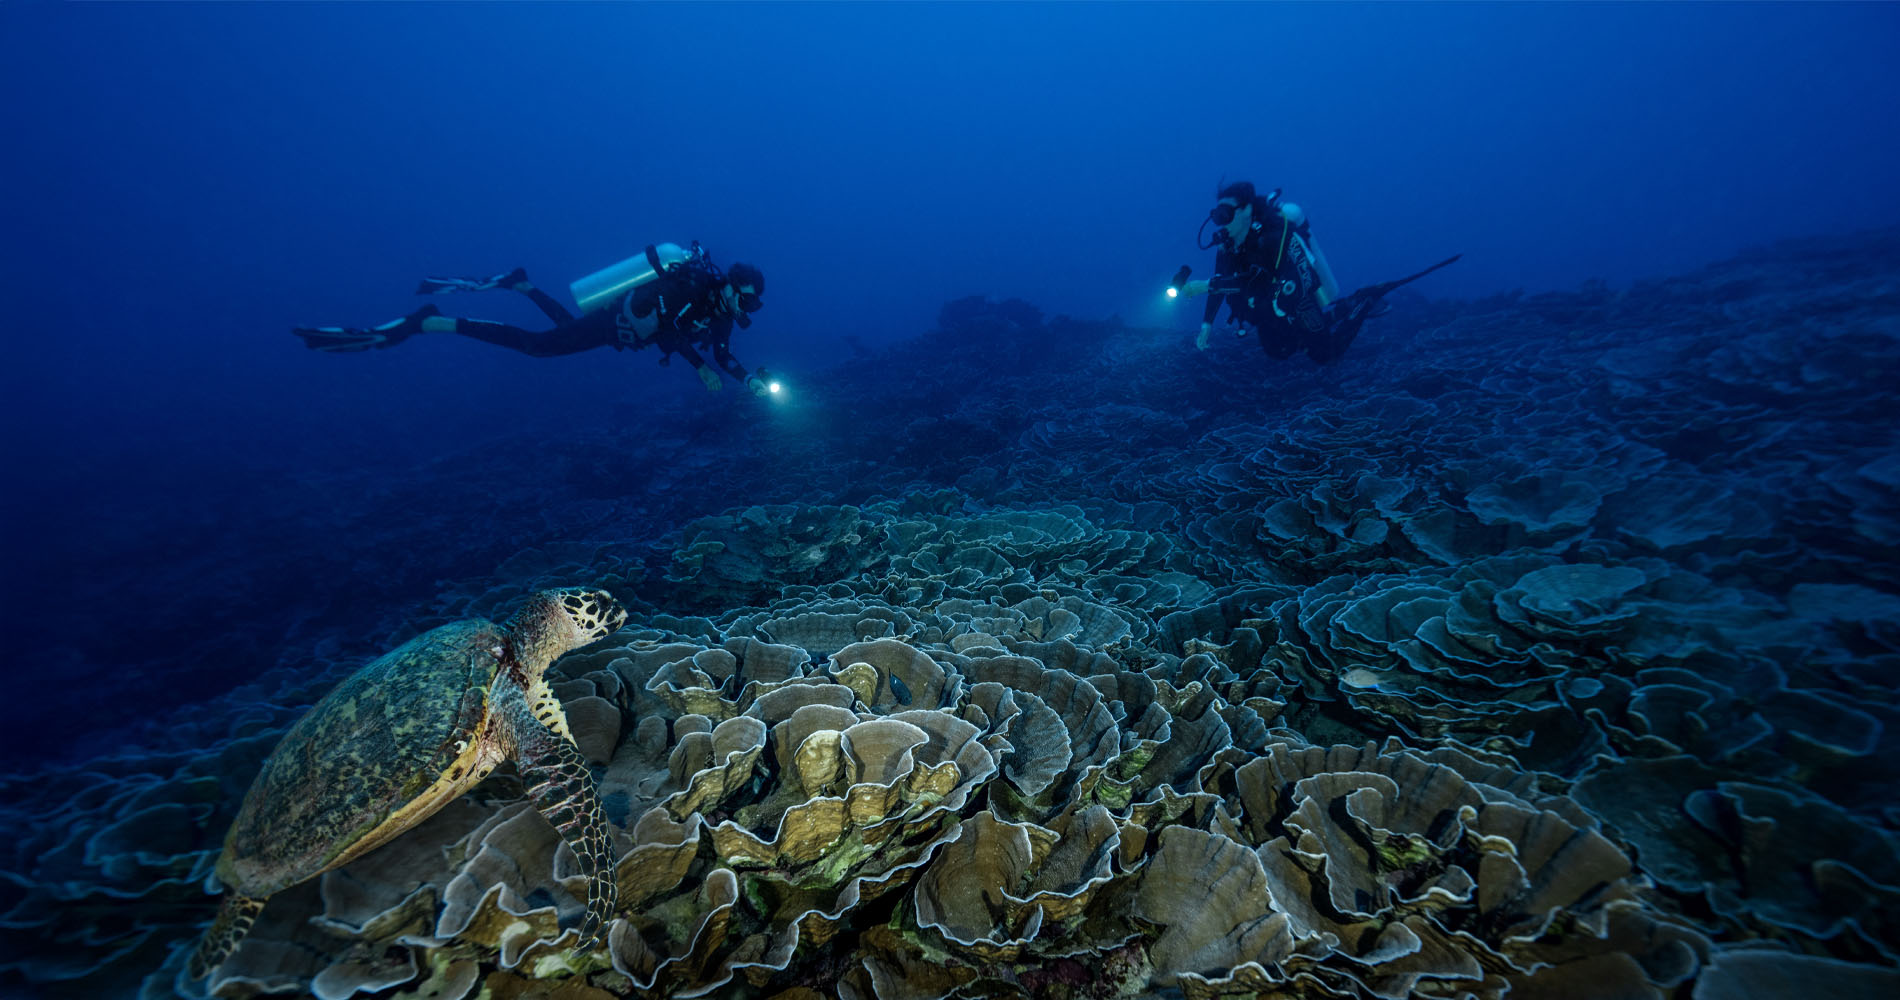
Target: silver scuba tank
600, 289
1328, 288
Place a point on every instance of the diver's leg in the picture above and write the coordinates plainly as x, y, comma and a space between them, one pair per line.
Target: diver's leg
1348, 318
514, 281
545, 302
1277, 338
567, 338
542, 344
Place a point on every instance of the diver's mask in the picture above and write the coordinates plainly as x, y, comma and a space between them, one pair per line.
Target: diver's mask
742, 305
1222, 216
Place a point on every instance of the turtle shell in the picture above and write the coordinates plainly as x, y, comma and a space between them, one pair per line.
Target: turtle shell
374, 744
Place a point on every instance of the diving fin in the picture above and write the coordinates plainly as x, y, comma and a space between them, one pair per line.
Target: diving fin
443, 286
1380, 290
1368, 303
349, 339
338, 339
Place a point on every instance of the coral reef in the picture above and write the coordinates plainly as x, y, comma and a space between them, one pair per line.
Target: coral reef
1543, 649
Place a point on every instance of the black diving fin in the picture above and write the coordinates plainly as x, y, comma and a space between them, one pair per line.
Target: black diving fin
1380, 290
339, 339
349, 339
1364, 304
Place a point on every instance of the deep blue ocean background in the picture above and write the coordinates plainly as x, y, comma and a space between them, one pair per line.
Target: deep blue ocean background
195, 501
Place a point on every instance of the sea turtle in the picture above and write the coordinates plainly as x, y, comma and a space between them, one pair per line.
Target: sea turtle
401, 738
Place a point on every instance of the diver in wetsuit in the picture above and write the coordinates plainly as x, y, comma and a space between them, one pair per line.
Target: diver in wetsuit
1273, 277
676, 299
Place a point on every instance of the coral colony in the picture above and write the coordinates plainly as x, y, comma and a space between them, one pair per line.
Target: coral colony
1543, 651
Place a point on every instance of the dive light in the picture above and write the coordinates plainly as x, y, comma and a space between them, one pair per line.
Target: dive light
1180, 279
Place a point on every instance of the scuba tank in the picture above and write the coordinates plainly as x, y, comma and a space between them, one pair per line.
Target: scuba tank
1325, 289
601, 288
1328, 290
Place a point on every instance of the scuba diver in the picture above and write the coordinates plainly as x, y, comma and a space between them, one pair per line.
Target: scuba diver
1273, 277
676, 298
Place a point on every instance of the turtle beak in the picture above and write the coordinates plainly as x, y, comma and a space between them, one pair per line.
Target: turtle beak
615, 615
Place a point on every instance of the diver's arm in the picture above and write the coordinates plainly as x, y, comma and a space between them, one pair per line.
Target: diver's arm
722, 350
1212, 308
722, 355
1226, 263
1208, 313
682, 345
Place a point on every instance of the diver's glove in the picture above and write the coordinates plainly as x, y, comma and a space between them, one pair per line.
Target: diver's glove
1193, 288
757, 385
708, 376
1200, 340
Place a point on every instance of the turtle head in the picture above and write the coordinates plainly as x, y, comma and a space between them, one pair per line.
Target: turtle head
555, 621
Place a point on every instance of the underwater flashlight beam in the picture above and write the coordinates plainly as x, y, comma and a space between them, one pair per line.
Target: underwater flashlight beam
1180, 279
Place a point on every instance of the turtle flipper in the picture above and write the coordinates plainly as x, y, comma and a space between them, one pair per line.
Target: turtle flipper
235, 916
563, 791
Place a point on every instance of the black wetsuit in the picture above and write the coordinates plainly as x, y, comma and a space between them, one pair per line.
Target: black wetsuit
1268, 282
686, 299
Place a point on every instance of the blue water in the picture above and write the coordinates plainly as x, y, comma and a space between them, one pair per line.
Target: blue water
194, 501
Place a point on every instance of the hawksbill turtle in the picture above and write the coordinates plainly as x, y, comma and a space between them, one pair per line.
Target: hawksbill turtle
406, 735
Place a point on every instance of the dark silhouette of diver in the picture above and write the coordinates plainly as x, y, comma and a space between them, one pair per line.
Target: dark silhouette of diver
675, 298
1272, 277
